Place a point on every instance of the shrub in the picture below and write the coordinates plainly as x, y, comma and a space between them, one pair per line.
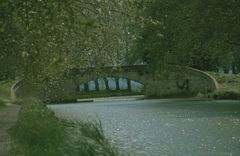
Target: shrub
39, 132
226, 95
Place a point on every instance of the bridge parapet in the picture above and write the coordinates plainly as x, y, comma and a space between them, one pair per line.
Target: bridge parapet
110, 69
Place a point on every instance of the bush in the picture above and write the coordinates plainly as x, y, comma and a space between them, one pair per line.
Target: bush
39, 132
226, 95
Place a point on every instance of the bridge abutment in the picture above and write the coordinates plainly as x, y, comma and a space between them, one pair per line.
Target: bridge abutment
86, 87
106, 84
117, 83
96, 85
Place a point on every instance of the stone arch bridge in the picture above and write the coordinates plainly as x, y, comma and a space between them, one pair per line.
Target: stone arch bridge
176, 81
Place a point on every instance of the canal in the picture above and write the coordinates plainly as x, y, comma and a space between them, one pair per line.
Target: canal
164, 127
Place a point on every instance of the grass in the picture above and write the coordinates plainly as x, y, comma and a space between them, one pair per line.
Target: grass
39, 132
229, 86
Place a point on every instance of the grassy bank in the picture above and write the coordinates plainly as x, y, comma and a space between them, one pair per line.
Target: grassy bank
229, 86
39, 132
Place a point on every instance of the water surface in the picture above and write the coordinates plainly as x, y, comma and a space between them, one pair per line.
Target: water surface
165, 127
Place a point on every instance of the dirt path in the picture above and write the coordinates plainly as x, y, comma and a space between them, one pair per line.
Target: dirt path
8, 116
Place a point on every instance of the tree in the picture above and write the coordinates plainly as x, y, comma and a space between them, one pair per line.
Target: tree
43, 40
53, 35
8, 44
202, 34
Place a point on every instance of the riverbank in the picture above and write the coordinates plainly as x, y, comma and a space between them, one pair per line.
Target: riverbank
35, 130
39, 132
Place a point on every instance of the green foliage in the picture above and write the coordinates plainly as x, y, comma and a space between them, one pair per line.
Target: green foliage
9, 37
42, 40
39, 132
202, 34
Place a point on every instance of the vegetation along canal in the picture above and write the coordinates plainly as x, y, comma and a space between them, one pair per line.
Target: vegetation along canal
164, 127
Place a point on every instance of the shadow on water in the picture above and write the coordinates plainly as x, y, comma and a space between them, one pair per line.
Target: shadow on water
197, 108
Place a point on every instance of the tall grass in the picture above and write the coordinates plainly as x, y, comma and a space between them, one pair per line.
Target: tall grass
38, 132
